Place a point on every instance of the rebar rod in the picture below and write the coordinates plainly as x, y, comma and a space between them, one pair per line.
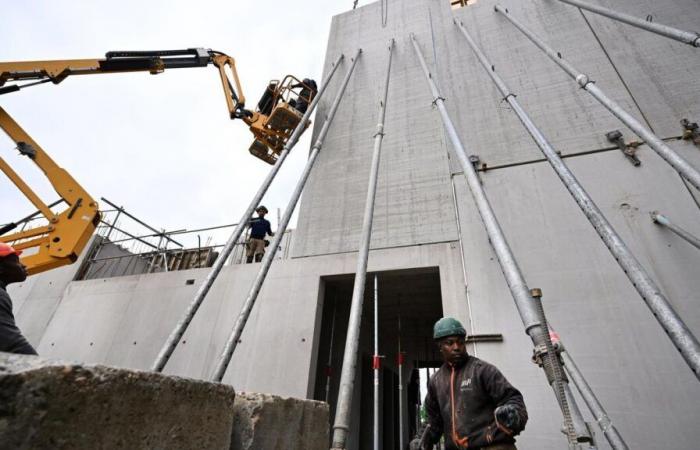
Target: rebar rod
679, 333
341, 425
234, 337
659, 146
183, 323
665, 221
601, 416
687, 37
509, 266
375, 364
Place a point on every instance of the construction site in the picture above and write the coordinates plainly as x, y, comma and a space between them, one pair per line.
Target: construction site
531, 168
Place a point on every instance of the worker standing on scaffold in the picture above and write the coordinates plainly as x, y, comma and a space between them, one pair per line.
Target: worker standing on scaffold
11, 271
259, 229
469, 400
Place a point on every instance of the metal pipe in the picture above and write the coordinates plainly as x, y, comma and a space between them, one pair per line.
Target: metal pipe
375, 364
686, 37
341, 425
663, 220
667, 153
664, 313
601, 416
137, 220
329, 361
613, 437
402, 413
252, 296
524, 301
183, 323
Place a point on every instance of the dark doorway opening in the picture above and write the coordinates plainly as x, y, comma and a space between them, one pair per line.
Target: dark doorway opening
411, 297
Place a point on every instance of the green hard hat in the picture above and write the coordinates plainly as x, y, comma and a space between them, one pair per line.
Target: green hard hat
448, 326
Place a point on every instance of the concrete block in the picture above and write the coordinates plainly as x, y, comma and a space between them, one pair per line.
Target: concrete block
56, 405
267, 422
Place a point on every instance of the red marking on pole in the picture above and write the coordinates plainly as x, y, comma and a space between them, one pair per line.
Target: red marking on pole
376, 362
329, 371
400, 359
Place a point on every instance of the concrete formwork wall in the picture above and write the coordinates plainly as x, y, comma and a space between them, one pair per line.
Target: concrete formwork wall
638, 375
124, 321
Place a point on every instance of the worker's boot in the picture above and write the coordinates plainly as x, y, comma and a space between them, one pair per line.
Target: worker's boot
258, 257
249, 259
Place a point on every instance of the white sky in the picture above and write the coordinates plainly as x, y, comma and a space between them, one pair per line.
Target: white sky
162, 146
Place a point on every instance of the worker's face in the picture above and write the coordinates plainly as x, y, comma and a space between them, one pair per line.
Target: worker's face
452, 348
12, 270
261, 213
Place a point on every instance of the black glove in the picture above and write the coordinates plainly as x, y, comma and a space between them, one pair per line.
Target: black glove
508, 416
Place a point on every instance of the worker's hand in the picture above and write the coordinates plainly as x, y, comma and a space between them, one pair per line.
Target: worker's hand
508, 416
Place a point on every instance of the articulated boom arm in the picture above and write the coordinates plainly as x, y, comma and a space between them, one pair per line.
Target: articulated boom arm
61, 241
154, 62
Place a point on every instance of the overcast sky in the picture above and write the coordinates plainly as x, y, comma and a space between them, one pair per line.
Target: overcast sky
162, 146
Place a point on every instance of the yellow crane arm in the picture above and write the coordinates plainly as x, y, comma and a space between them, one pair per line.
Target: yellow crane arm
62, 240
154, 62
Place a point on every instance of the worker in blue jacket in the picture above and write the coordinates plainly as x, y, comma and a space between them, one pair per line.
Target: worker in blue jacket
259, 229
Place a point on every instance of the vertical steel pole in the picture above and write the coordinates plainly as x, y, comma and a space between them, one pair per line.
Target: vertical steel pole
375, 363
252, 296
183, 323
341, 425
329, 361
674, 326
686, 37
524, 301
663, 220
667, 153
399, 363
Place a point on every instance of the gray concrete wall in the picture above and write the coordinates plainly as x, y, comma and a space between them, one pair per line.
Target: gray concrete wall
124, 321
641, 379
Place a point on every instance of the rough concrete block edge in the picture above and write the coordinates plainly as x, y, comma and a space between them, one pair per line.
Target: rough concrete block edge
13, 364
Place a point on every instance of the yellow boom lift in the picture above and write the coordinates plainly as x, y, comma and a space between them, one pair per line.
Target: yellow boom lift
61, 241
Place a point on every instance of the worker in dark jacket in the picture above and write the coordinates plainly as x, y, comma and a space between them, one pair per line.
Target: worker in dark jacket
469, 400
259, 229
11, 271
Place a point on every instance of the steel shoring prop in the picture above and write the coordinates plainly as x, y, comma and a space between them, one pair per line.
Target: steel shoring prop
660, 219
232, 342
611, 433
678, 332
524, 301
667, 153
595, 407
341, 424
179, 330
686, 37
375, 365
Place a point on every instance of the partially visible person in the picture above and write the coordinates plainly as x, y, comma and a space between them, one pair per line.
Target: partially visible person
259, 229
469, 401
11, 271
306, 95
